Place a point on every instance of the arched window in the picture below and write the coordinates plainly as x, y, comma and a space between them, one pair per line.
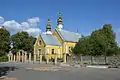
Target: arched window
39, 43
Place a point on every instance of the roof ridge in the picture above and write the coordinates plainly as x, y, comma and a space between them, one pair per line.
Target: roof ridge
60, 34
70, 31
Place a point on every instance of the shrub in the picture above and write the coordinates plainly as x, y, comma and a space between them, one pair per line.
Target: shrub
3, 59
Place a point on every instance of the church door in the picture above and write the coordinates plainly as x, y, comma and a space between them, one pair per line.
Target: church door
39, 52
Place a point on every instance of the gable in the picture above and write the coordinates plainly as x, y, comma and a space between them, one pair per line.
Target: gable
37, 43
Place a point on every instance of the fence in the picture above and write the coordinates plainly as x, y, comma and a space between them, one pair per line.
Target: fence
101, 60
58, 58
24, 57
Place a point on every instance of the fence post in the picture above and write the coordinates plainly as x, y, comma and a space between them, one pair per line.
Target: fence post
9, 58
81, 60
105, 59
40, 58
22, 57
29, 57
65, 58
91, 60
25, 56
14, 57
34, 58
47, 61
55, 58
19, 56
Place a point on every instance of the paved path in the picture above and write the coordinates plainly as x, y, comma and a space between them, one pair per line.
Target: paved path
38, 72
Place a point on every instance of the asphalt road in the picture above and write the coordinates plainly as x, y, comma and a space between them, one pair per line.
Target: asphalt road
63, 73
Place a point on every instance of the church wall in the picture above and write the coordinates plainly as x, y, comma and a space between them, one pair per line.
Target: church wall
57, 51
68, 45
39, 46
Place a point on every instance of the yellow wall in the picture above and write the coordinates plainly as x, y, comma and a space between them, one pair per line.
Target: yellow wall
57, 49
68, 44
37, 46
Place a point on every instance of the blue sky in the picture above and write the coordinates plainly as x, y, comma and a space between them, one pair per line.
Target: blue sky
84, 15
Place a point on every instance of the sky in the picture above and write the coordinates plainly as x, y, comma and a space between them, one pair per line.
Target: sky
83, 16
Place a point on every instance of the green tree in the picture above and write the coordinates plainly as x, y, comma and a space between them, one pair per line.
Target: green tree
83, 47
22, 41
4, 41
110, 39
100, 42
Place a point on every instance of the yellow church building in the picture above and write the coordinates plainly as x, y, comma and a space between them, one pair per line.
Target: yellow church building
58, 42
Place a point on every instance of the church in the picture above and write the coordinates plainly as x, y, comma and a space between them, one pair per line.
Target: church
57, 42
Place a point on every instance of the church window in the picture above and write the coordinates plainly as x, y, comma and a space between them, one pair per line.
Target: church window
40, 42
53, 51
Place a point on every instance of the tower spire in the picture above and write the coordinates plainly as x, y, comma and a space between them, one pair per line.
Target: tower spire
60, 21
48, 27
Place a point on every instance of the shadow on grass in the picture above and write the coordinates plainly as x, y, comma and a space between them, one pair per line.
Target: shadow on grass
4, 70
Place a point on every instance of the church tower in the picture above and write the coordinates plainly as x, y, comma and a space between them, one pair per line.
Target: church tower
48, 27
59, 21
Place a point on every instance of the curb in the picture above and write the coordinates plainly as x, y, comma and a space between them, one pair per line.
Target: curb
97, 67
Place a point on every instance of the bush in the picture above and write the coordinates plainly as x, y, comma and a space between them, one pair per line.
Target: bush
3, 59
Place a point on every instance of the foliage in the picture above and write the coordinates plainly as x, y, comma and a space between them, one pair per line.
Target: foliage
4, 41
3, 59
22, 41
100, 42
83, 47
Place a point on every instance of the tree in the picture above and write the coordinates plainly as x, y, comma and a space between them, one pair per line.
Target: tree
4, 41
22, 41
100, 42
83, 47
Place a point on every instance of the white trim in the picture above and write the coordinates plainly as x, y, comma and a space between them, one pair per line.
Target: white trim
36, 41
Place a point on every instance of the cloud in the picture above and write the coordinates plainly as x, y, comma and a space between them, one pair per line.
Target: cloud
29, 26
12, 26
1, 19
33, 21
25, 25
33, 31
